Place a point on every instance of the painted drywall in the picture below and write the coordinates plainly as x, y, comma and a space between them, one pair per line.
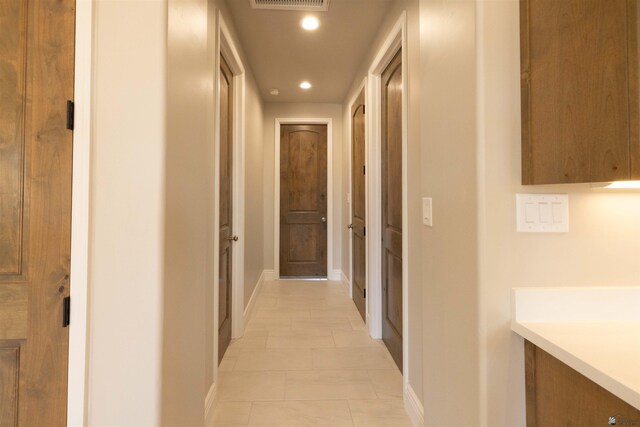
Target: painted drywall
188, 352
152, 211
600, 248
188, 212
127, 213
449, 252
413, 170
294, 110
253, 187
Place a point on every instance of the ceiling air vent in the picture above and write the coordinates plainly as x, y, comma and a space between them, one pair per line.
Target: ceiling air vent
317, 5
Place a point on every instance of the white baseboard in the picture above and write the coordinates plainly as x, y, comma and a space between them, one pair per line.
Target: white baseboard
254, 296
208, 405
346, 282
335, 275
270, 275
413, 406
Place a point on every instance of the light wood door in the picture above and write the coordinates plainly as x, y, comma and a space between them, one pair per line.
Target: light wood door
303, 201
392, 208
36, 80
358, 206
580, 92
226, 208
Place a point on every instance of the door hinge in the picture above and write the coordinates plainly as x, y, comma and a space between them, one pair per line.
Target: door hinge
364, 109
66, 312
70, 115
364, 231
365, 292
364, 170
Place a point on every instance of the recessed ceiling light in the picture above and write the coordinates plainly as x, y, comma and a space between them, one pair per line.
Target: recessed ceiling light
305, 85
310, 23
274, 92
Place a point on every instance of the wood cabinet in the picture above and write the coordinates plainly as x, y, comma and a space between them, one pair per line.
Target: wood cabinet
579, 91
557, 395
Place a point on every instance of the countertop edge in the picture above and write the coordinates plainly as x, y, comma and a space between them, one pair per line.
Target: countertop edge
632, 397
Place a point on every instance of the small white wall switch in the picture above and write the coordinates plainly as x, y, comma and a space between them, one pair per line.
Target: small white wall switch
542, 213
427, 211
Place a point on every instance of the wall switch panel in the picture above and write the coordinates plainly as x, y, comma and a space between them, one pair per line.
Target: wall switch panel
542, 213
427, 211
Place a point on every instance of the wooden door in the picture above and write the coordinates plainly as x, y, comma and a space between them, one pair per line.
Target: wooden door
358, 206
303, 201
36, 80
392, 208
226, 208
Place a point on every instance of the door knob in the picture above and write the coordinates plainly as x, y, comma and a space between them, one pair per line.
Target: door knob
323, 219
350, 226
234, 238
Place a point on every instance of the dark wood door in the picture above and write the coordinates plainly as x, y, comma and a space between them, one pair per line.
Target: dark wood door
392, 208
303, 201
226, 208
36, 80
358, 206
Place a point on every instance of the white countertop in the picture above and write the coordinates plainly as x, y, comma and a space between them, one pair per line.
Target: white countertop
594, 330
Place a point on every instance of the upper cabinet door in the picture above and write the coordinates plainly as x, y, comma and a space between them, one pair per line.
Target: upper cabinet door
579, 81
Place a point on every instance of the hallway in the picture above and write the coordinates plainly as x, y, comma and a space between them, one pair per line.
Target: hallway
307, 360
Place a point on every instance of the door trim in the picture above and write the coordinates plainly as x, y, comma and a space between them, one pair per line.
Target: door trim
349, 130
396, 40
331, 274
77, 380
226, 46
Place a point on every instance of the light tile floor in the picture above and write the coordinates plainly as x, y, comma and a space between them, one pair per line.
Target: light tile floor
307, 360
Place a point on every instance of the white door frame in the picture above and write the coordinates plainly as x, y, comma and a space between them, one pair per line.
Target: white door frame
349, 124
225, 46
80, 202
396, 40
331, 274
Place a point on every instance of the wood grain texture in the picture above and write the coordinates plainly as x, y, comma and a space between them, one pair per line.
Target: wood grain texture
633, 28
13, 55
303, 200
358, 203
575, 82
9, 382
43, 361
225, 282
557, 395
14, 311
392, 208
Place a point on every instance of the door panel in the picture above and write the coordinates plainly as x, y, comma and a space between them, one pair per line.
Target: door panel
36, 80
226, 209
303, 200
358, 215
392, 208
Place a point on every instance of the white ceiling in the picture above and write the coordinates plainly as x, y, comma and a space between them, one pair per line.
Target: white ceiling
281, 54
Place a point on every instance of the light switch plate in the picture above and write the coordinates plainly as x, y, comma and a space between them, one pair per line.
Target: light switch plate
427, 211
542, 213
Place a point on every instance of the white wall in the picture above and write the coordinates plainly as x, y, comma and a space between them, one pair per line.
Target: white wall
253, 187
449, 253
152, 210
473, 255
294, 110
188, 228
601, 248
127, 213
